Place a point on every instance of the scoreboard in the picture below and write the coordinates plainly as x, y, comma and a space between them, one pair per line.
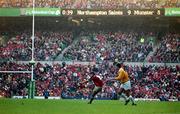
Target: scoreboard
88, 12
116, 12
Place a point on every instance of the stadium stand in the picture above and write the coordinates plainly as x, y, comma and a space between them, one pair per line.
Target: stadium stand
156, 82
85, 41
168, 50
124, 46
110, 46
93, 4
47, 46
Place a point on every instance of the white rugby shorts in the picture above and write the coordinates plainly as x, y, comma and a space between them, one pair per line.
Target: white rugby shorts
126, 85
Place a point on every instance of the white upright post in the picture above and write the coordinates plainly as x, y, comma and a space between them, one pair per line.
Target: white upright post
32, 58
32, 62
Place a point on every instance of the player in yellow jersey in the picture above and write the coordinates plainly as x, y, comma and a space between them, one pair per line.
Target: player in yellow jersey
123, 77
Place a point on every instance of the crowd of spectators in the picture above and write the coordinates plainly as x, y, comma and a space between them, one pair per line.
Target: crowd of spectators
63, 80
92, 47
168, 51
110, 46
47, 46
11, 66
92, 4
156, 81
17, 48
14, 83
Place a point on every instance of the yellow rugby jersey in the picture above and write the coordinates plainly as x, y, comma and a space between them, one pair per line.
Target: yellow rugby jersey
122, 76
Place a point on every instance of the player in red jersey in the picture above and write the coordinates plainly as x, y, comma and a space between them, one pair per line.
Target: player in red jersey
98, 85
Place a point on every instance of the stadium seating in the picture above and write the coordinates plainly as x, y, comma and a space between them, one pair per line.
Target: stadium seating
91, 47
92, 4
110, 46
167, 50
68, 46
147, 81
47, 46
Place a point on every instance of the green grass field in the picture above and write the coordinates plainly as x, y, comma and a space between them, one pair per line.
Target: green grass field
29, 106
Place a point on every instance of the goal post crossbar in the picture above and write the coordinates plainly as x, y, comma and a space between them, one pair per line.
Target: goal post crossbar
28, 72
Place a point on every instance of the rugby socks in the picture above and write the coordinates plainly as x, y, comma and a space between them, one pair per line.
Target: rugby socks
92, 98
124, 96
131, 99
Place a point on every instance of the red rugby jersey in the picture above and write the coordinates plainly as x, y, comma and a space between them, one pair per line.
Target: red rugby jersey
97, 81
